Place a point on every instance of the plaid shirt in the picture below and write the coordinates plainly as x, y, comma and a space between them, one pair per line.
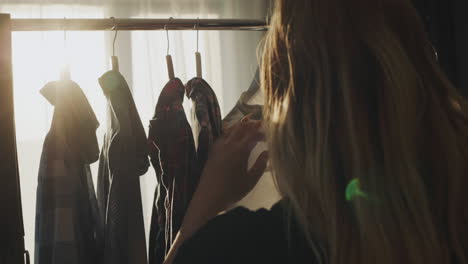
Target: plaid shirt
123, 159
177, 158
206, 117
173, 158
67, 228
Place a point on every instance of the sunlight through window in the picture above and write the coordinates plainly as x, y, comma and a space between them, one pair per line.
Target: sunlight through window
38, 58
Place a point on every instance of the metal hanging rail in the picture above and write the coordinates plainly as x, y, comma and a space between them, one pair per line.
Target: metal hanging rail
135, 24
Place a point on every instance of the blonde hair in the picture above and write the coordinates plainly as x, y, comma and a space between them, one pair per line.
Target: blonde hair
353, 91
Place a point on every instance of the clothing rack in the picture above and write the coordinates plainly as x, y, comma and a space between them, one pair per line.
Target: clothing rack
136, 24
11, 241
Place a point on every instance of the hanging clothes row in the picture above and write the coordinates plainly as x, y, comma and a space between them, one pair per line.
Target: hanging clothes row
76, 226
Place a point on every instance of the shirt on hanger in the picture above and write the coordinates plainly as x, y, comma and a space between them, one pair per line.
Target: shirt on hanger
123, 159
67, 225
250, 102
206, 117
173, 157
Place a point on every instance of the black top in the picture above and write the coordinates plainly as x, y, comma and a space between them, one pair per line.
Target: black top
244, 236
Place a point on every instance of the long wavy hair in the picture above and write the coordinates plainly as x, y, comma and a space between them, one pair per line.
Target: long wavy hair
353, 91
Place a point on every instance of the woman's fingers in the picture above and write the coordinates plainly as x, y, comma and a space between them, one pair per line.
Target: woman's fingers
235, 129
249, 142
259, 167
252, 137
241, 128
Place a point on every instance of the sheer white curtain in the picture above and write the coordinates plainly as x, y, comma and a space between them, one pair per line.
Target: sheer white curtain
229, 63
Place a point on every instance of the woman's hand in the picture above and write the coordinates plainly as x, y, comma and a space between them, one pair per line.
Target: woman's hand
225, 179
226, 176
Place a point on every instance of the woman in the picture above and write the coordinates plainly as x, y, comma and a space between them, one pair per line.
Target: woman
368, 142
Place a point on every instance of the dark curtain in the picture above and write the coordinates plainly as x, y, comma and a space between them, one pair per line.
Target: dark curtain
11, 219
447, 25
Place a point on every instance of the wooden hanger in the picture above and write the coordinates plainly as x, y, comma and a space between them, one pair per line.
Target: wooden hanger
170, 65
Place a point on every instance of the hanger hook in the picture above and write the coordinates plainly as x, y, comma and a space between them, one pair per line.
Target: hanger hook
167, 33
114, 27
197, 27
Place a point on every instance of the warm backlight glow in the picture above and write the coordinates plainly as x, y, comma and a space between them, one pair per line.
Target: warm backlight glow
38, 58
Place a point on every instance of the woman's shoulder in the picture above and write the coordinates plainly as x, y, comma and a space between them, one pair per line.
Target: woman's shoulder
245, 236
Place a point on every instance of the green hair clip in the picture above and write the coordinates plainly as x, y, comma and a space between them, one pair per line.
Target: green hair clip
353, 190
